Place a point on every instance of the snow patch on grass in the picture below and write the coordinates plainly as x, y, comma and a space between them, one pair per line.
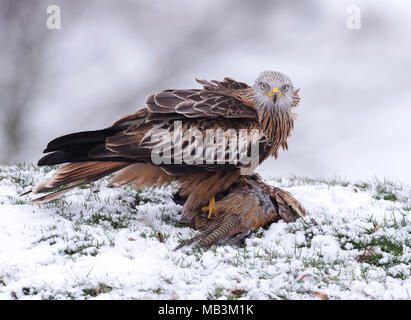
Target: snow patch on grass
104, 243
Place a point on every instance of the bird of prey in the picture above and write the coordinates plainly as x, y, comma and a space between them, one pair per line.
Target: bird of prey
127, 147
245, 207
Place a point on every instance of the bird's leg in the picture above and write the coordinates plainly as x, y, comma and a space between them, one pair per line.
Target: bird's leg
210, 208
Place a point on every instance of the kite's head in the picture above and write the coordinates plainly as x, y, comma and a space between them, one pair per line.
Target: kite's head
273, 89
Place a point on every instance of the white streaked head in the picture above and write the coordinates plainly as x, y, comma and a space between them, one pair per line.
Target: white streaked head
273, 89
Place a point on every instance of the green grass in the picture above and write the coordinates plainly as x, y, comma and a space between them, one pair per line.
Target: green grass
218, 293
94, 292
301, 180
386, 190
27, 291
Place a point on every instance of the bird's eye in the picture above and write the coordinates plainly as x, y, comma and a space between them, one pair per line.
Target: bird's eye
285, 88
263, 86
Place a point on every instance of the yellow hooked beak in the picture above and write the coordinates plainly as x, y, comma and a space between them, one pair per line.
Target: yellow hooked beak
274, 94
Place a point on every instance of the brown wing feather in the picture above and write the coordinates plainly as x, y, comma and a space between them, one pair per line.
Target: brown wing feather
228, 99
72, 175
138, 145
213, 107
218, 105
142, 175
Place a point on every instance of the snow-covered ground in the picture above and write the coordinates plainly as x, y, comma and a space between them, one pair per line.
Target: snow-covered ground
103, 243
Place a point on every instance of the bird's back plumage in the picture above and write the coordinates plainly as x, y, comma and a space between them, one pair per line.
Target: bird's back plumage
127, 146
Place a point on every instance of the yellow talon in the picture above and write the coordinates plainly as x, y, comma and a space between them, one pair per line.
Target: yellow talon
210, 208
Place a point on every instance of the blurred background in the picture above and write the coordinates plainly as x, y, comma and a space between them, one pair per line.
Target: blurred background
354, 120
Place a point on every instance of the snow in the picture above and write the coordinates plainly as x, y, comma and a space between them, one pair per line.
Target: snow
109, 240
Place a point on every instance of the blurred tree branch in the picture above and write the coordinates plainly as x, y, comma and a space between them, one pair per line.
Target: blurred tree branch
21, 59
